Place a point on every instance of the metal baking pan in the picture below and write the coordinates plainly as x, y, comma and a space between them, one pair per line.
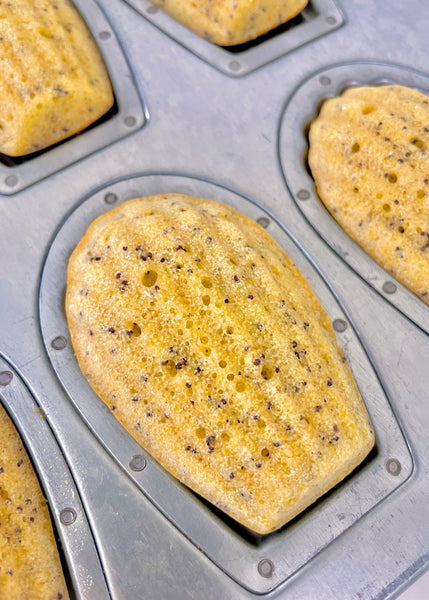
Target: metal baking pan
126, 116
298, 113
218, 131
318, 18
208, 531
82, 567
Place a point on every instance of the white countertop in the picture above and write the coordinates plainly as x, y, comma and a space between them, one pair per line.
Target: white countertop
419, 590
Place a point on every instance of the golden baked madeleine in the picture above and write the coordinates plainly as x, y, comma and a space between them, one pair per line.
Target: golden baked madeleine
231, 22
53, 81
205, 340
369, 159
30, 567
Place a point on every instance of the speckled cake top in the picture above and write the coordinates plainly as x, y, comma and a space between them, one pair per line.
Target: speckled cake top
207, 343
53, 81
30, 567
368, 156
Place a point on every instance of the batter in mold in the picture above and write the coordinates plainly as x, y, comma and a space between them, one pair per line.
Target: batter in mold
53, 81
207, 343
30, 565
369, 159
231, 22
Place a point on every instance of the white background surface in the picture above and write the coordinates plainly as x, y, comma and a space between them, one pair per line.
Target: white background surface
418, 591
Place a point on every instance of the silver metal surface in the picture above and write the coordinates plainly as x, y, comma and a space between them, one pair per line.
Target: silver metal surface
231, 552
126, 118
83, 564
213, 126
318, 18
301, 108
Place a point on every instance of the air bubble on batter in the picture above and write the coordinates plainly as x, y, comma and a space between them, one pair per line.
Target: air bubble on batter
149, 278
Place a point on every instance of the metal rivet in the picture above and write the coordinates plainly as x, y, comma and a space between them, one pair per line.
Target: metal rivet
303, 194
266, 568
393, 466
263, 222
59, 343
389, 287
331, 20
104, 35
68, 516
130, 121
324, 80
11, 180
5, 378
152, 10
234, 65
340, 325
138, 462
110, 198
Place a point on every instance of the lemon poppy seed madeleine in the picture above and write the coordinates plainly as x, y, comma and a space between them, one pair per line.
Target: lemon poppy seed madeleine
368, 156
231, 22
207, 343
30, 566
53, 79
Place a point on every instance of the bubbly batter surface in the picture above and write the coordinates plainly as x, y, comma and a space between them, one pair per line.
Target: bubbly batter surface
230, 22
53, 81
30, 567
369, 159
207, 343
